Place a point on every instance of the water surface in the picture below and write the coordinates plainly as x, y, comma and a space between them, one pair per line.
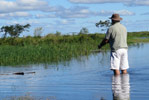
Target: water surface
85, 78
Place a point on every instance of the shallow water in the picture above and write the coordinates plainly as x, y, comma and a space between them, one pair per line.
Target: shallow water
85, 78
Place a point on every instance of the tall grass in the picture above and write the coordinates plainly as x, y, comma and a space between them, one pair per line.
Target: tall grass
53, 48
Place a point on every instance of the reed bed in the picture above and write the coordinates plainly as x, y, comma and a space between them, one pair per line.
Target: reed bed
53, 48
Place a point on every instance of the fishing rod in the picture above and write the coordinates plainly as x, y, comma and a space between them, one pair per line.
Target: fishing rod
98, 50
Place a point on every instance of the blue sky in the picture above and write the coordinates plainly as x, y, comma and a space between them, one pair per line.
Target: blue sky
69, 16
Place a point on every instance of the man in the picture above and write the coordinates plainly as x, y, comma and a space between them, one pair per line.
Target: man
116, 36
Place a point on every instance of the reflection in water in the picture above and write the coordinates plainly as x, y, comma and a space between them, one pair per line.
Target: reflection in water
121, 87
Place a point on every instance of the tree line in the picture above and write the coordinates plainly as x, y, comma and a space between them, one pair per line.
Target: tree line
16, 30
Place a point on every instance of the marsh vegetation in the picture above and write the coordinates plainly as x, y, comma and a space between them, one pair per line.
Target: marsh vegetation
53, 48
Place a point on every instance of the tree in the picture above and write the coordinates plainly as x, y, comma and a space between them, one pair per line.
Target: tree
103, 24
38, 31
84, 30
6, 30
14, 30
58, 33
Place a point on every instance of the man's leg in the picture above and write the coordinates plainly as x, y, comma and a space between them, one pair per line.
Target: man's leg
116, 72
124, 71
115, 62
124, 61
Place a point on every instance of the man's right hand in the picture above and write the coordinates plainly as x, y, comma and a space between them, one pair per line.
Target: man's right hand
99, 46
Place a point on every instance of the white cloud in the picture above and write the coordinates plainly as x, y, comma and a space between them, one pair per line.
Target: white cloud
98, 1
23, 5
109, 13
32, 22
65, 22
140, 2
38, 16
126, 2
22, 8
22, 14
84, 12
124, 12
15, 15
73, 12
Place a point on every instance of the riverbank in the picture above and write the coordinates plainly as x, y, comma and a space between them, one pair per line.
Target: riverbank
54, 48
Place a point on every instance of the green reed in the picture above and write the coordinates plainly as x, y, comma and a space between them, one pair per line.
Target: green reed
52, 48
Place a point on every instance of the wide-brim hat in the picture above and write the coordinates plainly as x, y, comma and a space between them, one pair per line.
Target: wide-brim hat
116, 17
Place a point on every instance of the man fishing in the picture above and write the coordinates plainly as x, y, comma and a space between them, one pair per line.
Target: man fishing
116, 36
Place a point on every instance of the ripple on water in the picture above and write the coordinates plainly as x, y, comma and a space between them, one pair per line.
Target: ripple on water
89, 79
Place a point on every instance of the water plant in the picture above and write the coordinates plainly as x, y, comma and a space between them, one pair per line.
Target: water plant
53, 48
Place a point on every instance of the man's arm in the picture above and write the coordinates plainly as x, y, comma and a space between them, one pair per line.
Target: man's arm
104, 41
